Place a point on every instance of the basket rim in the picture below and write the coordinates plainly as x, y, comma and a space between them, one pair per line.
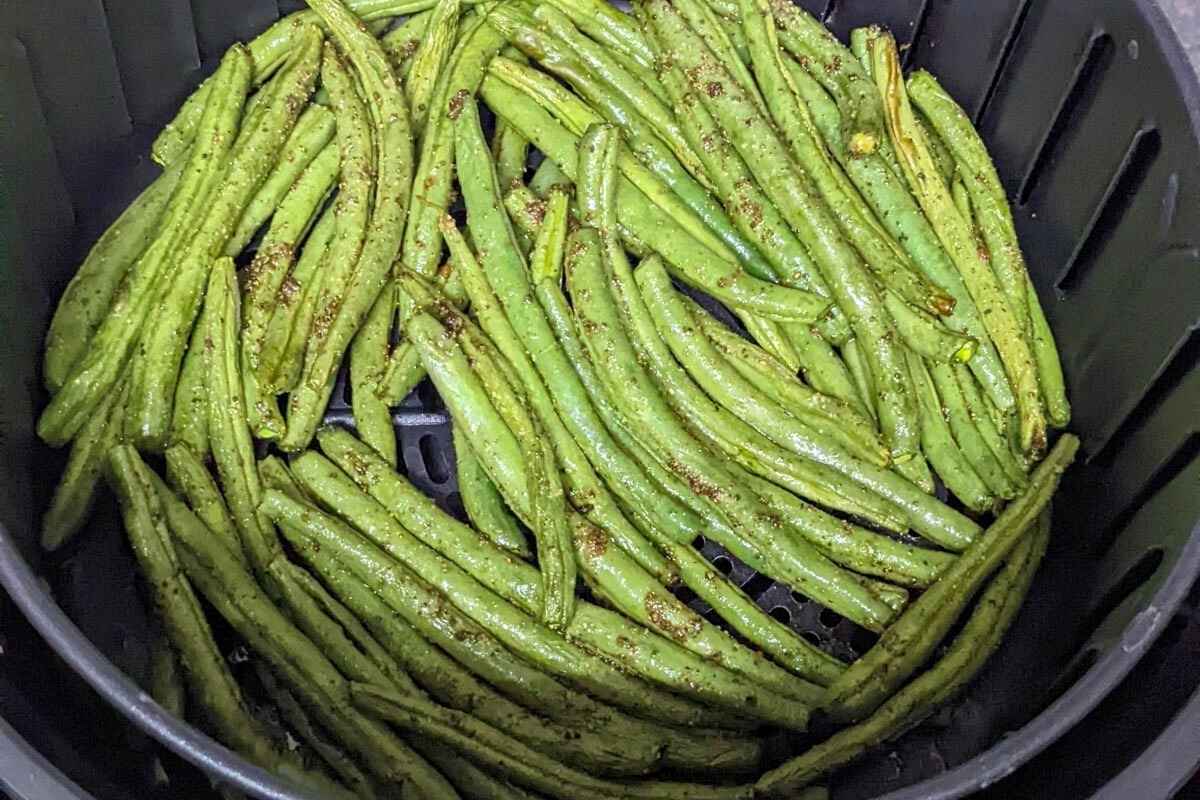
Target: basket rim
36, 603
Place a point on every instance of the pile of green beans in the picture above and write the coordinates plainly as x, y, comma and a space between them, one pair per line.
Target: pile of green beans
871, 420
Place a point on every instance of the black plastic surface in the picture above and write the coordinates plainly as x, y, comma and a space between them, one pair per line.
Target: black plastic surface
1106, 174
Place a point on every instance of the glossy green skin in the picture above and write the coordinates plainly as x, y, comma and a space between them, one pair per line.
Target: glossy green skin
883, 187
545, 497
151, 515
393, 147
430, 58
519, 328
281, 355
369, 354
161, 350
925, 334
963, 424
190, 477
308, 139
76, 490
509, 577
511, 627
510, 151
957, 236
650, 210
1049, 367
991, 429
86, 299
483, 502
610, 27
937, 442
514, 760
909, 642
864, 382
95, 373
794, 195
298, 662
823, 369
966, 655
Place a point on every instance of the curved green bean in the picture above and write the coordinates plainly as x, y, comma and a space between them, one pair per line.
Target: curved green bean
430, 58
483, 502
912, 639
191, 478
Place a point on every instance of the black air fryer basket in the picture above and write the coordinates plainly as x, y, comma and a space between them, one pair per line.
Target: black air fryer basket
1093, 116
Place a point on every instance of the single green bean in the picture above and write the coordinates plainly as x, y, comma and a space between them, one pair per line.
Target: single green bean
546, 177
966, 655
514, 760
430, 58
771, 336
165, 682
85, 301
76, 490
483, 502
937, 442
510, 151
610, 27
1049, 367
369, 352
912, 639
191, 478
189, 416
401, 42
824, 370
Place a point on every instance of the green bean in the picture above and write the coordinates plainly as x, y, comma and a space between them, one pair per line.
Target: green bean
86, 300
165, 682
514, 320
483, 503
430, 58
404, 370
161, 350
916, 471
824, 370
369, 353
750, 209
937, 442
393, 148
147, 511
955, 233
189, 415
966, 655
610, 27
264, 280
545, 496
282, 353
95, 373
546, 177
308, 139
642, 197
772, 337
518, 631
792, 190
309, 732
881, 183
637, 94
76, 490
513, 759
970, 441
191, 478
864, 382
235, 595
827, 415
926, 335
912, 639
980, 410
1049, 367
707, 25
612, 352
510, 151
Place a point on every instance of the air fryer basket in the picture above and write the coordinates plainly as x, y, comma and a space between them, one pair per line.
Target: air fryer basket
1094, 120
